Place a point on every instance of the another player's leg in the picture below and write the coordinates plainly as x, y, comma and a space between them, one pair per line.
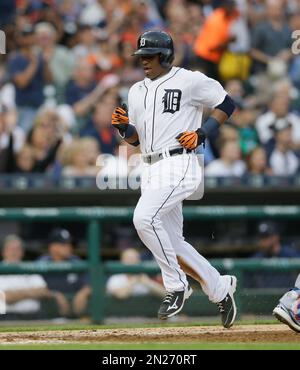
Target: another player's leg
219, 289
288, 309
147, 220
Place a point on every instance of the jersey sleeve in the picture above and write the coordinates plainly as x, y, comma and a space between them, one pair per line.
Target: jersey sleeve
206, 91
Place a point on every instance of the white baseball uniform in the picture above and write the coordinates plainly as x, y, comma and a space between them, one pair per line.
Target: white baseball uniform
160, 109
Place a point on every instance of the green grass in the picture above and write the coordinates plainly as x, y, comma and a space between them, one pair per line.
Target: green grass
78, 326
156, 346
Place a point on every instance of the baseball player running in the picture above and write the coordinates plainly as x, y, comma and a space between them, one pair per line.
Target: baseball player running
288, 309
164, 118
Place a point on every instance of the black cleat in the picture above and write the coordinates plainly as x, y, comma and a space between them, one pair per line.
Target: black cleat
227, 306
173, 303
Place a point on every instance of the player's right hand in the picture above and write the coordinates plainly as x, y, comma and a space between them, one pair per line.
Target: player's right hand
119, 118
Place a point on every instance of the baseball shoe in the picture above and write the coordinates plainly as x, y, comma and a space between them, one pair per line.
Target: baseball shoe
173, 303
227, 306
286, 316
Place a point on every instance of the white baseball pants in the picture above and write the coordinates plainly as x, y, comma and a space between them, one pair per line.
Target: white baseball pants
158, 220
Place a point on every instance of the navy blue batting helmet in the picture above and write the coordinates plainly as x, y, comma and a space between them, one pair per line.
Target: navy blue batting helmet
156, 42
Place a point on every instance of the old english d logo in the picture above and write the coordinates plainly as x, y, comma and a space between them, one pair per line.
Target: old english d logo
171, 100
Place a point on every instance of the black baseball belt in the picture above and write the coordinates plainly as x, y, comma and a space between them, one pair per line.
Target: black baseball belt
155, 157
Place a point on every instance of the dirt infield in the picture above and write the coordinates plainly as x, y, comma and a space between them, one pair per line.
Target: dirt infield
240, 333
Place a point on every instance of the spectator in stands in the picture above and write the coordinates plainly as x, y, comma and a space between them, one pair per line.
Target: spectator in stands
243, 119
196, 17
24, 161
92, 13
57, 123
132, 28
29, 71
257, 163
235, 61
103, 39
7, 90
106, 59
73, 288
285, 87
224, 133
130, 71
86, 43
9, 127
22, 292
184, 26
112, 22
228, 132
238, 92
283, 159
278, 109
68, 10
214, 37
255, 12
82, 92
271, 41
7, 10
61, 59
44, 136
122, 286
76, 158
41, 10
148, 15
271, 246
229, 163
100, 127
39, 152
182, 40
295, 71
91, 146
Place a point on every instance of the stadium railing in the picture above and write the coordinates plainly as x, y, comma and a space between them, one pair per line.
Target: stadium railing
95, 217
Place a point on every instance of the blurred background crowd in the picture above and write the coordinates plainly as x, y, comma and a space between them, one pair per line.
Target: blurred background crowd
68, 64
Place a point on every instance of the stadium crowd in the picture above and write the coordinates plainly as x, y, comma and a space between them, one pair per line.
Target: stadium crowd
68, 64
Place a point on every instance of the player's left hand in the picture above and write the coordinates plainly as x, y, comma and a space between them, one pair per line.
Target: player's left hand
191, 139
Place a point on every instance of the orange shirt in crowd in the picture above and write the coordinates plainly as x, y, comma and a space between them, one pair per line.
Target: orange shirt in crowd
113, 60
214, 33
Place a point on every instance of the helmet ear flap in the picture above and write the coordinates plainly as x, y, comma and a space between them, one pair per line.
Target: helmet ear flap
162, 59
166, 58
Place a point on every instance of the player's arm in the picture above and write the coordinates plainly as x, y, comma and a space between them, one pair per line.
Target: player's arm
120, 121
220, 114
13, 296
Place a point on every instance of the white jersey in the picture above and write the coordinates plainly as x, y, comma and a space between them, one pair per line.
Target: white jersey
163, 108
160, 110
